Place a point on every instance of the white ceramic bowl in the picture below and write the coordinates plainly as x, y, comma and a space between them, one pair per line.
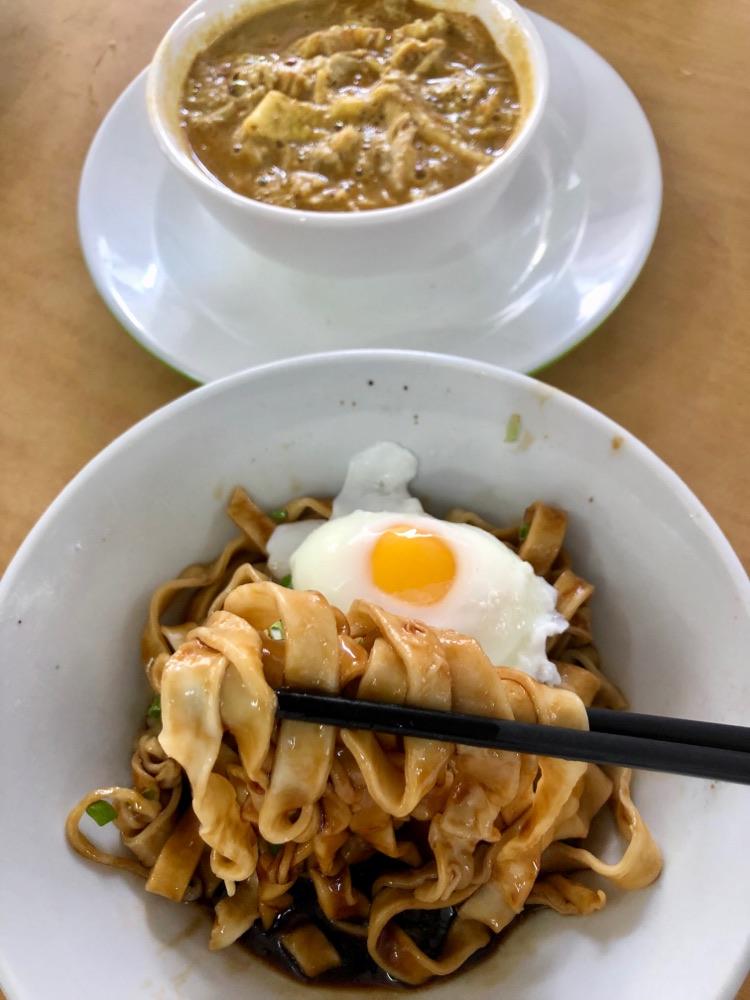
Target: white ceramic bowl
345, 242
671, 616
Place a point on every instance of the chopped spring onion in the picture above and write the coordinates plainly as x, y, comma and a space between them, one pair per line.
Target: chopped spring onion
523, 532
154, 709
150, 793
513, 428
276, 631
101, 812
279, 515
286, 581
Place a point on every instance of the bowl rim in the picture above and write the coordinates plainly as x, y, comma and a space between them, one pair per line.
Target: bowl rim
213, 187
328, 359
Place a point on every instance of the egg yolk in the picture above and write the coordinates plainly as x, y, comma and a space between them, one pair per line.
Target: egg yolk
412, 564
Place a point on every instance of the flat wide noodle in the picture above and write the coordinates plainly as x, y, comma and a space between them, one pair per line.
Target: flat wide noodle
479, 834
481, 865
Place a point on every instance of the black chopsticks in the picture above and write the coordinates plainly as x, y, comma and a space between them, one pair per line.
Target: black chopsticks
650, 742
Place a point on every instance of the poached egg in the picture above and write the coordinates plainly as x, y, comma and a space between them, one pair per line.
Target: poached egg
380, 546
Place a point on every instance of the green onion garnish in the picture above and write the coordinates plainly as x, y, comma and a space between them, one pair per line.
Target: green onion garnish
513, 428
279, 515
523, 532
101, 812
286, 581
154, 709
276, 631
150, 793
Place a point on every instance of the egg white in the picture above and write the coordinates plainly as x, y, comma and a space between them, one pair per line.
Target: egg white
377, 478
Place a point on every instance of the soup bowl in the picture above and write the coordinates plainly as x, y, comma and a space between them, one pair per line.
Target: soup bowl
670, 616
380, 240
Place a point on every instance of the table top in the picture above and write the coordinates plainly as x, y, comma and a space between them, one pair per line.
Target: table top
672, 364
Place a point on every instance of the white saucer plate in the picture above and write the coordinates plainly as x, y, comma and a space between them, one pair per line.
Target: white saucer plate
552, 260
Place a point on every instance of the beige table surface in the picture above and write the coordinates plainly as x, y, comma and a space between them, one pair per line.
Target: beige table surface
672, 364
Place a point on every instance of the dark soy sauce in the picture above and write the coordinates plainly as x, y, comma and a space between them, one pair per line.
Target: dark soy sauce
357, 968
428, 929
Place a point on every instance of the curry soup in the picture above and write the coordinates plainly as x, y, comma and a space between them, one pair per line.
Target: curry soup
347, 106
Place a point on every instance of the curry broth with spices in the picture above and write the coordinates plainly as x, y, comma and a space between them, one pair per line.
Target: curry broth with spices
348, 106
